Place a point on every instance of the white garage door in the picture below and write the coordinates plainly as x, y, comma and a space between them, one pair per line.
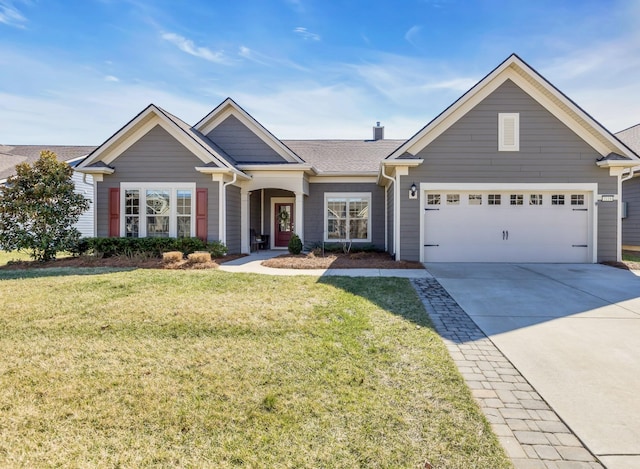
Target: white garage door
507, 226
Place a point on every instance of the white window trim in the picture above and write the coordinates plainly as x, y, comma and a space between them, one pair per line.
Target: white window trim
503, 118
346, 195
173, 188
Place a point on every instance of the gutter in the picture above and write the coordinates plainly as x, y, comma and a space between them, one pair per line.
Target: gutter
223, 203
386, 212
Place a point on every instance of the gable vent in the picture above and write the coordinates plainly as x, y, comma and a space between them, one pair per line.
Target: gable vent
508, 132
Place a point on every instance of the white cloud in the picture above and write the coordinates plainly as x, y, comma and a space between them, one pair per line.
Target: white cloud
268, 61
411, 35
306, 35
10, 15
187, 45
111, 78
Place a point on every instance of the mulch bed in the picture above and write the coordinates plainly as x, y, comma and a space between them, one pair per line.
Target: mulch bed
359, 260
138, 262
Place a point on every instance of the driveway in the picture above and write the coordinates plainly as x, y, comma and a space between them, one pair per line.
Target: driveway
573, 331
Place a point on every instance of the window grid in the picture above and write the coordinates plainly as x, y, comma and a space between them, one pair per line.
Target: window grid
493, 199
348, 218
557, 199
517, 199
535, 199
433, 199
475, 199
453, 199
577, 199
132, 213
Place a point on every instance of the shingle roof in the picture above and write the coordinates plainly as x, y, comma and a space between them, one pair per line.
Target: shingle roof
631, 137
11, 155
343, 155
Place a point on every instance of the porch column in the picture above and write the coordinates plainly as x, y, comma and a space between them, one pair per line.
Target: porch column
244, 221
298, 227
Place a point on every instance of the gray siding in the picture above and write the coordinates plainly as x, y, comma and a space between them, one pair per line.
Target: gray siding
242, 144
631, 224
314, 210
85, 221
233, 219
156, 157
468, 152
254, 211
390, 214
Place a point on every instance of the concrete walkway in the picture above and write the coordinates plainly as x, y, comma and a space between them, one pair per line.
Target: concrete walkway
573, 332
252, 264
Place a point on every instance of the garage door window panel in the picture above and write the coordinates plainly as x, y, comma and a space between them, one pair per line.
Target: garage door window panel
557, 199
493, 199
433, 199
453, 199
577, 199
535, 199
517, 199
475, 199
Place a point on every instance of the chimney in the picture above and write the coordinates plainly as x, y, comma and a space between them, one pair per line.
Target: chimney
378, 132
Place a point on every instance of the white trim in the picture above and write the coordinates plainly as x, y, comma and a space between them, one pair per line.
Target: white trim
347, 195
343, 179
274, 201
278, 167
172, 187
505, 120
591, 188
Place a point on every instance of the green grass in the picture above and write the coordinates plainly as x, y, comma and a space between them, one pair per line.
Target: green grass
631, 256
152, 368
7, 256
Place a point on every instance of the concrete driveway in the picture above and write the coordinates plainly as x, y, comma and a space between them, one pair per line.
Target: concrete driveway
573, 331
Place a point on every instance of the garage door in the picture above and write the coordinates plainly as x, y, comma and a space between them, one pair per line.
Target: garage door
507, 226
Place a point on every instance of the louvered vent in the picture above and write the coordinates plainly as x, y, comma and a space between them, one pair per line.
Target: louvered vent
508, 132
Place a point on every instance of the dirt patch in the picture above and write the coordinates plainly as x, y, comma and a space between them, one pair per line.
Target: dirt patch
632, 262
138, 262
359, 260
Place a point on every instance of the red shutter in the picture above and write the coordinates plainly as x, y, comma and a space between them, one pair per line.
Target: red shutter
114, 212
201, 213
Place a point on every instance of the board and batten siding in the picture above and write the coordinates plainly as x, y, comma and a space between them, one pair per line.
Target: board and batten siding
631, 224
85, 221
549, 152
233, 220
314, 210
157, 157
242, 144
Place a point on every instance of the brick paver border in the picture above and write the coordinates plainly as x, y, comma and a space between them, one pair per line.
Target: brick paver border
532, 434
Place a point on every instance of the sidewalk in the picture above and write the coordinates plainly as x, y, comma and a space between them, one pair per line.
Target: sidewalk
252, 265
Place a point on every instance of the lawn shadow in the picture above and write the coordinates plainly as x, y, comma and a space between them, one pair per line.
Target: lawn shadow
7, 274
393, 294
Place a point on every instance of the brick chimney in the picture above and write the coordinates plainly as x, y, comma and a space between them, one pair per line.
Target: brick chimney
378, 132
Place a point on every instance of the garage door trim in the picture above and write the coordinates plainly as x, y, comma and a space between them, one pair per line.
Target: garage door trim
592, 188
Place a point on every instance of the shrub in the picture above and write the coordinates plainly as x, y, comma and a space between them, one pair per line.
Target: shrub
172, 257
217, 249
295, 244
199, 257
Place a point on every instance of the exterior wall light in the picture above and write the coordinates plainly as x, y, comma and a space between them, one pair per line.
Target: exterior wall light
413, 191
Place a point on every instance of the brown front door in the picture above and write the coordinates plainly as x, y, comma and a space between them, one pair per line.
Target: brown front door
283, 224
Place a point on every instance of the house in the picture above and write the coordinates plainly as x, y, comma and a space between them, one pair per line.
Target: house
631, 193
513, 171
12, 155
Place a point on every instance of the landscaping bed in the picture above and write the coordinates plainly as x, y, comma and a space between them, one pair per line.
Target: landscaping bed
358, 260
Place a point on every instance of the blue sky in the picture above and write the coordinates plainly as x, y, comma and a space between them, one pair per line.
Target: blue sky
74, 72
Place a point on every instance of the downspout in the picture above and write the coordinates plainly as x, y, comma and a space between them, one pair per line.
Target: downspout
386, 214
224, 207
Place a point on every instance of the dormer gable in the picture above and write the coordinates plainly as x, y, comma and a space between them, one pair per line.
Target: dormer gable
243, 137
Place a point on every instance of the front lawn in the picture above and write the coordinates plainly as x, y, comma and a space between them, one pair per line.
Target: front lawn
209, 369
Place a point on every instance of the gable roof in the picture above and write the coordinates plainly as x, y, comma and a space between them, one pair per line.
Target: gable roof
151, 116
230, 107
523, 75
12, 155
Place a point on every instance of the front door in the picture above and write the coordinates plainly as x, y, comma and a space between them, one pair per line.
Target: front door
283, 224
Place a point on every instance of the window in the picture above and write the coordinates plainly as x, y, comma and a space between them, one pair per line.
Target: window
577, 199
433, 199
132, 213
475, 199
508, 131
535, 199
557, 199
517, 199
453, 199
158, 210
347, 217
493, 199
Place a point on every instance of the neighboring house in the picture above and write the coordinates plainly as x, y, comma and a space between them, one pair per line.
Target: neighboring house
513, 171
631, 193
12, 155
